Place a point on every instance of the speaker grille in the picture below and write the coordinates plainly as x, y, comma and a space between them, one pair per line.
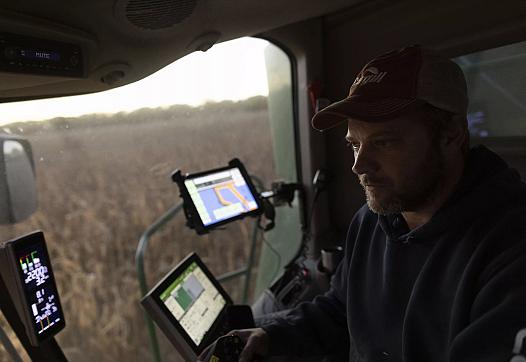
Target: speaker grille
158, 14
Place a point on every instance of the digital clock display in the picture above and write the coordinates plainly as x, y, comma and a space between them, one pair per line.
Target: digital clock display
27, 55
39, 55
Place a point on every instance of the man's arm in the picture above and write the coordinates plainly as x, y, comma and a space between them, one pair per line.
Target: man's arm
314, 328
498, 316
320, 327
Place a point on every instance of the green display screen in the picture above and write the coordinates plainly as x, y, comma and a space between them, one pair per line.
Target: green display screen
193, 301
167, 293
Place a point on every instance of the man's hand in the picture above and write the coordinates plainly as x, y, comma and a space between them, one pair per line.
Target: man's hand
256, 345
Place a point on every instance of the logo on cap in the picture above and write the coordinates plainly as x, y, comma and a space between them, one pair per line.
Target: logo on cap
369, 75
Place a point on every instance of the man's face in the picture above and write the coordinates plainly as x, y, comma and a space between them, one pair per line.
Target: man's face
398, 162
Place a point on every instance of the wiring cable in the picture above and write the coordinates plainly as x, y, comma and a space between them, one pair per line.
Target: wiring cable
276, 253
306, 234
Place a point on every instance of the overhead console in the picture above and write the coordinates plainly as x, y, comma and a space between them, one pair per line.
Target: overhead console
30, 55
39, 58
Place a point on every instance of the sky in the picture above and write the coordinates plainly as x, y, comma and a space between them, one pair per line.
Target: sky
232, 70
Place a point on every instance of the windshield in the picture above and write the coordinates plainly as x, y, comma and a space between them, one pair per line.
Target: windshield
103, 165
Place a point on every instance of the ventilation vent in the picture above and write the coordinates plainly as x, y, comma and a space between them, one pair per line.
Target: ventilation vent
158, 14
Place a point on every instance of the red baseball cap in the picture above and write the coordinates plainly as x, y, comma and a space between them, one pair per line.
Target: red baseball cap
396, 81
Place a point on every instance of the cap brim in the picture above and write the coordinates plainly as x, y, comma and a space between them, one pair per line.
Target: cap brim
352, 107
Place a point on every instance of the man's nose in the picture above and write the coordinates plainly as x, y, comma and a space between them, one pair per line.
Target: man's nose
363, 162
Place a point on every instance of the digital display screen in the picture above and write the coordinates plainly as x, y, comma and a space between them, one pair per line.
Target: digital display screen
194, 302
221, 195
29, 55
39, 55
39, 287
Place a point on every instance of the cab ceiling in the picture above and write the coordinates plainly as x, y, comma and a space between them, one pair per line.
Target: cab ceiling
135, 38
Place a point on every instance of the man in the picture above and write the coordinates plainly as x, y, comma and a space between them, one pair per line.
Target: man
435, 263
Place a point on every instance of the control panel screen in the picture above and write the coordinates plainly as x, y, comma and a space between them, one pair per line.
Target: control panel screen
42, 302
221, 195
194, 302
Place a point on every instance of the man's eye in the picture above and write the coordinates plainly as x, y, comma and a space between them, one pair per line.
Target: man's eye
382, 143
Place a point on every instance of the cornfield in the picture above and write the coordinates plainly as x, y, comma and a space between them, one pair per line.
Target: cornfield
102, 180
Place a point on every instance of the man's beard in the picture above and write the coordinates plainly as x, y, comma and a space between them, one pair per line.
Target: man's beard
418, 188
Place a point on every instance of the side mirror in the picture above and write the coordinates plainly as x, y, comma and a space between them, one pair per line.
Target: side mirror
18, 192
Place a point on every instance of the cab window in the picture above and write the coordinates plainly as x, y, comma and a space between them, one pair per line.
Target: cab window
103, 164
496, 90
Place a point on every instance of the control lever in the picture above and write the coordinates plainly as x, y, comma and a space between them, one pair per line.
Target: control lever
226, 349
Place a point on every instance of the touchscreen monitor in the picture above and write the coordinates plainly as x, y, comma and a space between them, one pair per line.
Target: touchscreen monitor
188, 305
194, 302
42, 312
218, 196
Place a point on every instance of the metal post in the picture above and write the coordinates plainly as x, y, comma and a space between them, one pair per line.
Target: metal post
252, 253
139, 263
247, 269
9, 346
231, 275
251, 257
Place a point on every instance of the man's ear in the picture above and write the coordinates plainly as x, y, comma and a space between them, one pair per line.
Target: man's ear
454, 133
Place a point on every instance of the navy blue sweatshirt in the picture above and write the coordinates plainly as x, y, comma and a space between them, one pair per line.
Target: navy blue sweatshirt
451, 290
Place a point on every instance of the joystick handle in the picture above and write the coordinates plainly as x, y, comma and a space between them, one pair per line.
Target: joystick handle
227, 349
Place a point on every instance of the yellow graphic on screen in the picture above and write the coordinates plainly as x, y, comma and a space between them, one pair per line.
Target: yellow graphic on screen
232, 188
